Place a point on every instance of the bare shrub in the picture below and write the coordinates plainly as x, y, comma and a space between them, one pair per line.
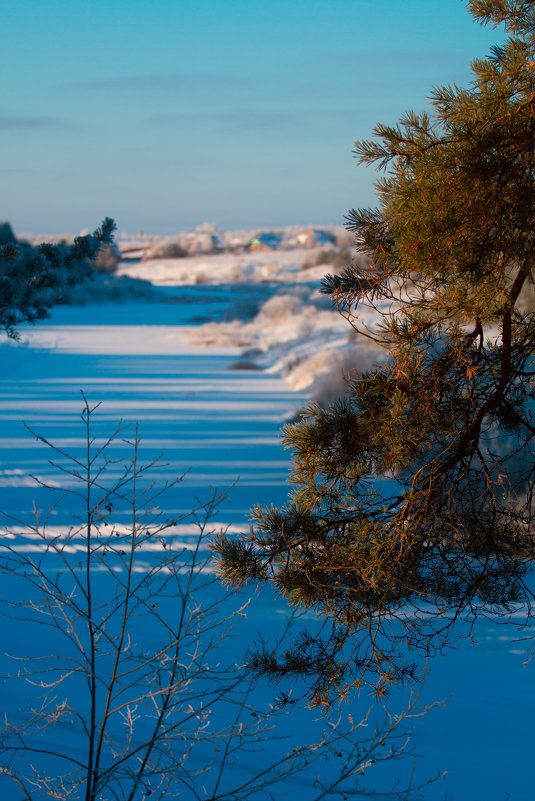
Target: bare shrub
134, 692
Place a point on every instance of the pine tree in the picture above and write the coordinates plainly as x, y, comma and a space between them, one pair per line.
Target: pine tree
33, 279
412, 499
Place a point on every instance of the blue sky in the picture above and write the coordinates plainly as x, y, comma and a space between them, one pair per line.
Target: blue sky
169, 113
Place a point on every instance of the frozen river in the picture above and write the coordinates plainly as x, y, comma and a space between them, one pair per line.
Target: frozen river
223, 424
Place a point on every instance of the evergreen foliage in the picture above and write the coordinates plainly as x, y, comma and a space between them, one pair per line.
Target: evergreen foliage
32, 279
413, 496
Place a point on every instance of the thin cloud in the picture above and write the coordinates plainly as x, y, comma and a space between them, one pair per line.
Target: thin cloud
160, 83
232, 121
26, 123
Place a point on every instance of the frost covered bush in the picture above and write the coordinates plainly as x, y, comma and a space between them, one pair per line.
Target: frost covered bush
338, 259
173, 247
278, 308
205, 239
107, 259
298, 334
326, 375
106, 288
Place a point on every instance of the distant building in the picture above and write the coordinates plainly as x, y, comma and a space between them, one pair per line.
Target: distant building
314, 237
265, 241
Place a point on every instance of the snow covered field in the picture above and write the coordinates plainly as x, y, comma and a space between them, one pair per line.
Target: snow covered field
203, 369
